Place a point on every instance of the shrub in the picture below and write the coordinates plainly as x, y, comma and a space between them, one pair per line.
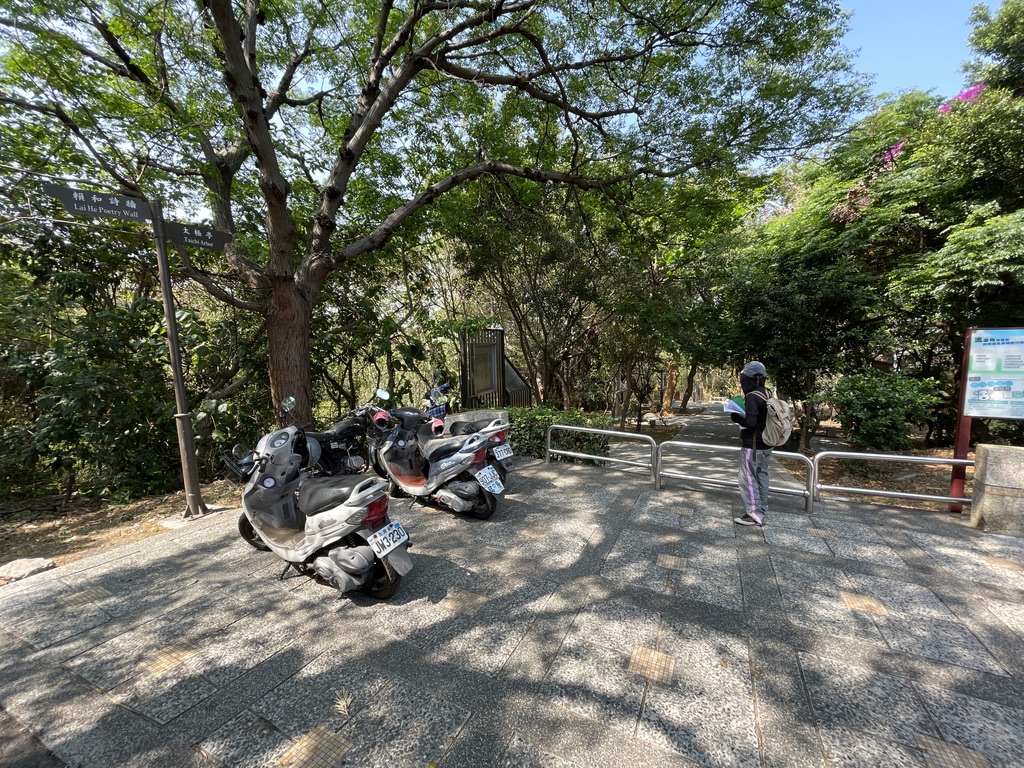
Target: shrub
529, 427
875, 409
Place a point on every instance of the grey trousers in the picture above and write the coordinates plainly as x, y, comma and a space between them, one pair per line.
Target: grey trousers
754, 482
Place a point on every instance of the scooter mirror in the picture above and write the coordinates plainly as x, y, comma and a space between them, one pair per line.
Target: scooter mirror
239, 451
383, 394
287, 404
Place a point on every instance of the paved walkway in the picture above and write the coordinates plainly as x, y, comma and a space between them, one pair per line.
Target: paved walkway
592, 622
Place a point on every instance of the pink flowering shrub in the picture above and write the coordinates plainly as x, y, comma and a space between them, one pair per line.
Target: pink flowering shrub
966, 96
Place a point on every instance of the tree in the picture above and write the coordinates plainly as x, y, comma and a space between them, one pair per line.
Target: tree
999, 43
892, 244
315, 133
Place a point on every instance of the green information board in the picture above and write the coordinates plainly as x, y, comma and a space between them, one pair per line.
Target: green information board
995, 374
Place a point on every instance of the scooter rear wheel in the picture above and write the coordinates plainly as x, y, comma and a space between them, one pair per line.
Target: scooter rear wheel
248, 533
484, 506
383, 581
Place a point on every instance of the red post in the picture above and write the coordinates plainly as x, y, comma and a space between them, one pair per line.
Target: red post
962, 434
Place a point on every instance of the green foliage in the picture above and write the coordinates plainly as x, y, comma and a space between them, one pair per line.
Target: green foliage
529, 429
1000, 39
102, 411
86, 389
1006, 432
875, 409
319, 133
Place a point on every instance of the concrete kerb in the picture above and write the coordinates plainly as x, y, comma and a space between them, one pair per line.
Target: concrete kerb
592, 622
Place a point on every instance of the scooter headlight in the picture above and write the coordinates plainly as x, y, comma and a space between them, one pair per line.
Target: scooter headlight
268, 482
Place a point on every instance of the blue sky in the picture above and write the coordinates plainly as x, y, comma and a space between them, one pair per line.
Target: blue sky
912, 43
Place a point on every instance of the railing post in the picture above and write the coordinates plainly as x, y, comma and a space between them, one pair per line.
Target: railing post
812, 486
657, 468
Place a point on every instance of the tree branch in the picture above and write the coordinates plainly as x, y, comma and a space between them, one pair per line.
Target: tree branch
489, 167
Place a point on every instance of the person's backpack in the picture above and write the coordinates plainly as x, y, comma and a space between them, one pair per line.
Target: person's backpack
778, 425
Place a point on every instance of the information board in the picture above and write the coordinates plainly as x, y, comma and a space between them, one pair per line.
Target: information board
995, 374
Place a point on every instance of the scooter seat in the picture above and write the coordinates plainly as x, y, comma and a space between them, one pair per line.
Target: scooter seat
319, 493
442, 447
469, 427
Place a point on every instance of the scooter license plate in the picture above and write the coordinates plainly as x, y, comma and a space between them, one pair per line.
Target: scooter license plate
387, 538
502, 452
488, 477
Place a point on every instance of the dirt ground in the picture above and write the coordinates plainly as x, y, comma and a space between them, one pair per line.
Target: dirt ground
47, 528
931, 479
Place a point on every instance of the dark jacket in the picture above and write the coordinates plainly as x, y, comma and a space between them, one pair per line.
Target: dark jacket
757, 414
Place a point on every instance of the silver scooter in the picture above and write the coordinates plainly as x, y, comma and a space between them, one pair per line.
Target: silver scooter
335, 529
455, 472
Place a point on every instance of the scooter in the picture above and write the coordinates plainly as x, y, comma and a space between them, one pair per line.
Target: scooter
499, 452
343, 447
435, 401
334, 529
454, 471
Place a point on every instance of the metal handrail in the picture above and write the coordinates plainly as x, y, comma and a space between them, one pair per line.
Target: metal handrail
886, 457
649, 466
811, 491
806, 492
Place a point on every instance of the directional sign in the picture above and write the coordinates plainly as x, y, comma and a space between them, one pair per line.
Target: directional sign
81, 202
196, 236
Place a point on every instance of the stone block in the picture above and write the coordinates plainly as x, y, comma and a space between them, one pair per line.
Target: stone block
22, 569
998, 500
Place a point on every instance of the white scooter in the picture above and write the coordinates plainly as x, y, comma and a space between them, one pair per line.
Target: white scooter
335, 529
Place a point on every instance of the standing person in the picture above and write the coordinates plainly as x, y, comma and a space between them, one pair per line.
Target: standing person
754, 455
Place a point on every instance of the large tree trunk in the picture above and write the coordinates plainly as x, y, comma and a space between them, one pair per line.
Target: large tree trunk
626, 397
808, 426
288, 324
690, 376
668, 396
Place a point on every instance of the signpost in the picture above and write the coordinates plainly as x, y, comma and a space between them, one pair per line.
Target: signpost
991, 387
80, 202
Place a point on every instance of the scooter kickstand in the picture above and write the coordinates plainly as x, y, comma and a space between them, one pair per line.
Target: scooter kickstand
285, 571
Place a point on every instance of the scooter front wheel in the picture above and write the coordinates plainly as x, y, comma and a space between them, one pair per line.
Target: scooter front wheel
248, 533
383, 581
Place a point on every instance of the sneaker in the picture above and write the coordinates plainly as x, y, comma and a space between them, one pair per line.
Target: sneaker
746, 520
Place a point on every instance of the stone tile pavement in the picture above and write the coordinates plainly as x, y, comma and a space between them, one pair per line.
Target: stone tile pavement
593, 621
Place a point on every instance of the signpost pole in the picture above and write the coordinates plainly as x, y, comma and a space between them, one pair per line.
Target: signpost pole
80, 202
183, 418
962, 433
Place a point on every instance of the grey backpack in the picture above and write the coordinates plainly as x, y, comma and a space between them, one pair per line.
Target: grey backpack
778, 425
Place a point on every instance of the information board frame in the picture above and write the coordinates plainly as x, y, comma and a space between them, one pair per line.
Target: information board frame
994, 381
